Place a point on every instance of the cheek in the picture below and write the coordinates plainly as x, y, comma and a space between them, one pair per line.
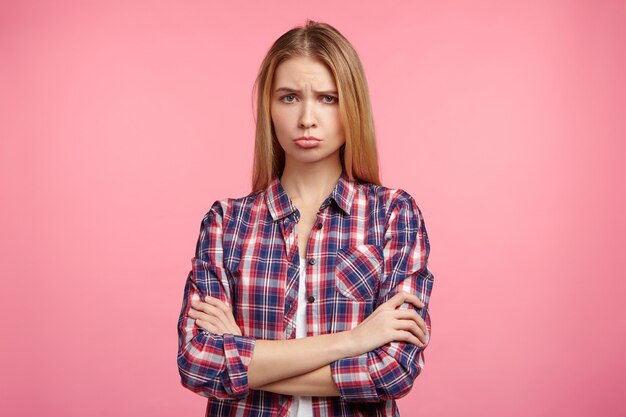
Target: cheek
337, 123
278, 119
281, 128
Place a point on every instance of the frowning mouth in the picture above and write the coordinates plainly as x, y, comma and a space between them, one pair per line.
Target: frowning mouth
307, 141
307, 138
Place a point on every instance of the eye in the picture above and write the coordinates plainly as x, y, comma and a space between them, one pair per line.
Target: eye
330, 99
289, 98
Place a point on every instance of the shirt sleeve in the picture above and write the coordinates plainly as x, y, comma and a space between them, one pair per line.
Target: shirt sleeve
209, 364
388, 372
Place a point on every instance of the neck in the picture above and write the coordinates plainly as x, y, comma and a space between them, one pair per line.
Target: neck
309, 184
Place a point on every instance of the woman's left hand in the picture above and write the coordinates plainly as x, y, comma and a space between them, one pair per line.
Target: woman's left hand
215, 316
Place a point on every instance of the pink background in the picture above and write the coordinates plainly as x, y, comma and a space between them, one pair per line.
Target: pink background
121, 122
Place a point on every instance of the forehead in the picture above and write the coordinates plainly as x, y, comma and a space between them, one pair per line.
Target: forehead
300, 72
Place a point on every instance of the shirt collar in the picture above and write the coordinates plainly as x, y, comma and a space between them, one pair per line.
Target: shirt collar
280, 205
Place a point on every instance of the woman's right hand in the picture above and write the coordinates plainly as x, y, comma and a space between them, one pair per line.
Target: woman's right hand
389, 324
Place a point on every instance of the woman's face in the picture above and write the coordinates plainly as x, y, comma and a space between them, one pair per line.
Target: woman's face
305, 111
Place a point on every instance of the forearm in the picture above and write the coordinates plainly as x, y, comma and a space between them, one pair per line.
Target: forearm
317, 383
275, 360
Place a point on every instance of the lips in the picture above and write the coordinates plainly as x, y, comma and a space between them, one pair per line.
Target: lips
307, 141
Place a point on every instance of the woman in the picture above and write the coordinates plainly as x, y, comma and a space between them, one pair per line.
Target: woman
308, 297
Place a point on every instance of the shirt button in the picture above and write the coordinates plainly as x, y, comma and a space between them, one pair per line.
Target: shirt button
312, 261
319, 226
311, 299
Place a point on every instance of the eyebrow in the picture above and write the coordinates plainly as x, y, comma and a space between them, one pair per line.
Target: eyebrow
294, 90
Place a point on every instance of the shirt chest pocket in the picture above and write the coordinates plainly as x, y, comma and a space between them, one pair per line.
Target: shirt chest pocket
358, 270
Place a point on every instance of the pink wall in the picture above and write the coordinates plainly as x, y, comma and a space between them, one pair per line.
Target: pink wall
121, 122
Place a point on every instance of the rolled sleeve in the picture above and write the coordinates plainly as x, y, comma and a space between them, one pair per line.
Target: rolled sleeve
353, 380
237, 353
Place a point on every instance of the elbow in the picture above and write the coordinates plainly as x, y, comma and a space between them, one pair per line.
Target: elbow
399, 388
375, 376
205, 379
203, 387
402, 382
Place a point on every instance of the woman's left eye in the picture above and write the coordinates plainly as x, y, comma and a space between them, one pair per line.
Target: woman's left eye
330, 99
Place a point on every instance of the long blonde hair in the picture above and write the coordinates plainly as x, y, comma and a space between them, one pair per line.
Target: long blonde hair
319, 40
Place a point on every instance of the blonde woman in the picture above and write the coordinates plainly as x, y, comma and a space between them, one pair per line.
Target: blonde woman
309, 296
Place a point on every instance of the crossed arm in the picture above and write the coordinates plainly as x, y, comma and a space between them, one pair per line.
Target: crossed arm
377, 360
302, 366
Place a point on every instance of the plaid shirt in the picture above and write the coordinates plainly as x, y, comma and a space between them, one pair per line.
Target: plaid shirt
368, 243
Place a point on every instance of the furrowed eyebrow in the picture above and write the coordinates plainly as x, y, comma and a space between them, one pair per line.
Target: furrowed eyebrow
293, 90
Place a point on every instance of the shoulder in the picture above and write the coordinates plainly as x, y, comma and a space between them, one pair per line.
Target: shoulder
229, 208
387, 198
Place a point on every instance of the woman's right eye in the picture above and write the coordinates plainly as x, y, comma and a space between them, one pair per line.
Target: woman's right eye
288, 98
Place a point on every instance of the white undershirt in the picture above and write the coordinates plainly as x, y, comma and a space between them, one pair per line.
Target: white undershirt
301, 405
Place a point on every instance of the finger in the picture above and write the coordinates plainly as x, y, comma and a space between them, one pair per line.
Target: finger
220, 328
405, 336
208, 301
412, 315
410, 326
405, 297
217, 313
194, 313
211, 309
398, 299
218, 303
223, 307
206, 317
214, 316
413, 299
228, 318
207, 326
191, 312
199, 305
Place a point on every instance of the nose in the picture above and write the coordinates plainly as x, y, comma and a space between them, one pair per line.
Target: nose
307, 118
